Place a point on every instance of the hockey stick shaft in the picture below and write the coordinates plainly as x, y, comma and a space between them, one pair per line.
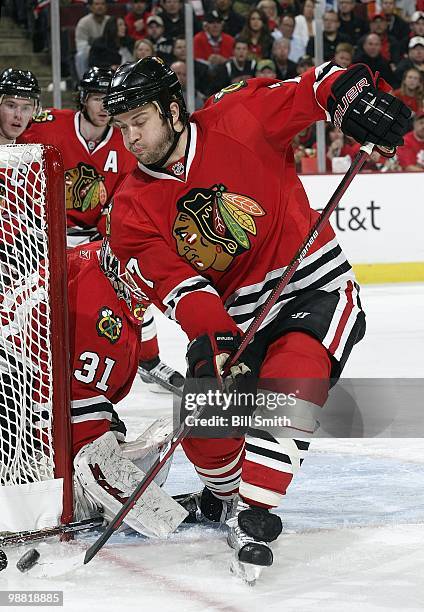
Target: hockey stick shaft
184, 428
22, 537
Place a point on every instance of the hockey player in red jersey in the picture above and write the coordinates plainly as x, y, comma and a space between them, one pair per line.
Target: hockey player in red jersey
94, 156
208, 222
96, 162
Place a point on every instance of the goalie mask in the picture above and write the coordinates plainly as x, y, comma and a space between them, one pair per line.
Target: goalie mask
134, 301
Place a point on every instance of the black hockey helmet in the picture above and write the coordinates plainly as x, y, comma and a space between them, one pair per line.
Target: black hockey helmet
19, 83
95, 80
148, 80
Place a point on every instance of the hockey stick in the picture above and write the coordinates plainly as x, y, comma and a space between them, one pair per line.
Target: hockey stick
184, 428
143, 373
22, 537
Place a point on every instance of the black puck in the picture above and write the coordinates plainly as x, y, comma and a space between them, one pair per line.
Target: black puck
3, 560
28, 560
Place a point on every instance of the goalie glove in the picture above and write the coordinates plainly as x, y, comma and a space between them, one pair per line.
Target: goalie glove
362, 111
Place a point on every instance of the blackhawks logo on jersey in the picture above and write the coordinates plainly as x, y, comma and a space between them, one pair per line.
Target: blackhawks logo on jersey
228, 90
213, 226
44, 116
109, 325
85, 188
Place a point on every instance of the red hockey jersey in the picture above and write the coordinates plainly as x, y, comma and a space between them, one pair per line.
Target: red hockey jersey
104, 347
91, 177
220, 231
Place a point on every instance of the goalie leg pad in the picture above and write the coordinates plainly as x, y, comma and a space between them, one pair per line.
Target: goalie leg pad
108, 479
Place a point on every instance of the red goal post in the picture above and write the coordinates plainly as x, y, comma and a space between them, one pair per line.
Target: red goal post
35, 430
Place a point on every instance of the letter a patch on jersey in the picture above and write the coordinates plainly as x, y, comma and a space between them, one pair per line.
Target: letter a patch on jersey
109, 325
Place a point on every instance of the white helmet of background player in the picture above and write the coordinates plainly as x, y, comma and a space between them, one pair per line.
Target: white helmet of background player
94, 81
133, 300
17, 87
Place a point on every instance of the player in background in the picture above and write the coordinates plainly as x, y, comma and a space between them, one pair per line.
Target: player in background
96, 162
19, 99
232, 214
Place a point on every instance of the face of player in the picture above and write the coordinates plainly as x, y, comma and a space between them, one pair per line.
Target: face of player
343, 59
94, 107
147, 135
15, 114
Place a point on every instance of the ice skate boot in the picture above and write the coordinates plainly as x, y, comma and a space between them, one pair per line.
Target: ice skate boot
160, 377
251, 530
204, 507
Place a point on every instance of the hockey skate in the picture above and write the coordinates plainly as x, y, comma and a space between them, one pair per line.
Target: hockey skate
251, 530
160, 377
204, 507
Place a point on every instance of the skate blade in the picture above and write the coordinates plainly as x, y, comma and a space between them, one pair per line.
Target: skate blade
245, 571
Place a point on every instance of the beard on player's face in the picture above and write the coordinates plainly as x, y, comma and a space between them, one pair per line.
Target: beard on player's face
153, 145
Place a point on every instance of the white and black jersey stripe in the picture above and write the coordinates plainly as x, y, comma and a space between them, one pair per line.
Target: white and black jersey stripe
91, 409
194, 283
148, 327
326, 269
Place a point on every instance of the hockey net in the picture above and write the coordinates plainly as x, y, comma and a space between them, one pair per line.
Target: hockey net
35, 454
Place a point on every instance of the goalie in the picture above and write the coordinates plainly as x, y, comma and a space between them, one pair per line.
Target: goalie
105, 330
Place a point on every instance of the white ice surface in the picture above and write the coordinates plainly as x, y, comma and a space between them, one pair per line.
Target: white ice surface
354, 517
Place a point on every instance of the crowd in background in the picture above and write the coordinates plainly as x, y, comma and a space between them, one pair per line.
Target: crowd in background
241, 39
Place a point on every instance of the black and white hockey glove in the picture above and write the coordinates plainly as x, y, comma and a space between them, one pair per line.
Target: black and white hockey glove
207, 356
365, 113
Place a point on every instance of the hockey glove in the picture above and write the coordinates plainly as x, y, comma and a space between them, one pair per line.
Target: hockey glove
363, 112
207, 356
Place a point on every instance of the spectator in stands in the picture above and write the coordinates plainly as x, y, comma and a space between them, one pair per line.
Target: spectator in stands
390, 49
269, 8
411, 91
113, 48
304, 64
265, 68
398, 28
286, 30
350, 25
285, 68
155, 33
89, 28
415, 58
242, 7
233, 22
331, 36
173, 19
411, 154
305, 23
213, 46
417, 24
257, 34
238, 68
201, 71
136, 19
344, 55
370, 54
180, 69
143, 47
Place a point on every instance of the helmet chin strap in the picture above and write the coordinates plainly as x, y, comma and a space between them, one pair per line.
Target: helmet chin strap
157, 166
